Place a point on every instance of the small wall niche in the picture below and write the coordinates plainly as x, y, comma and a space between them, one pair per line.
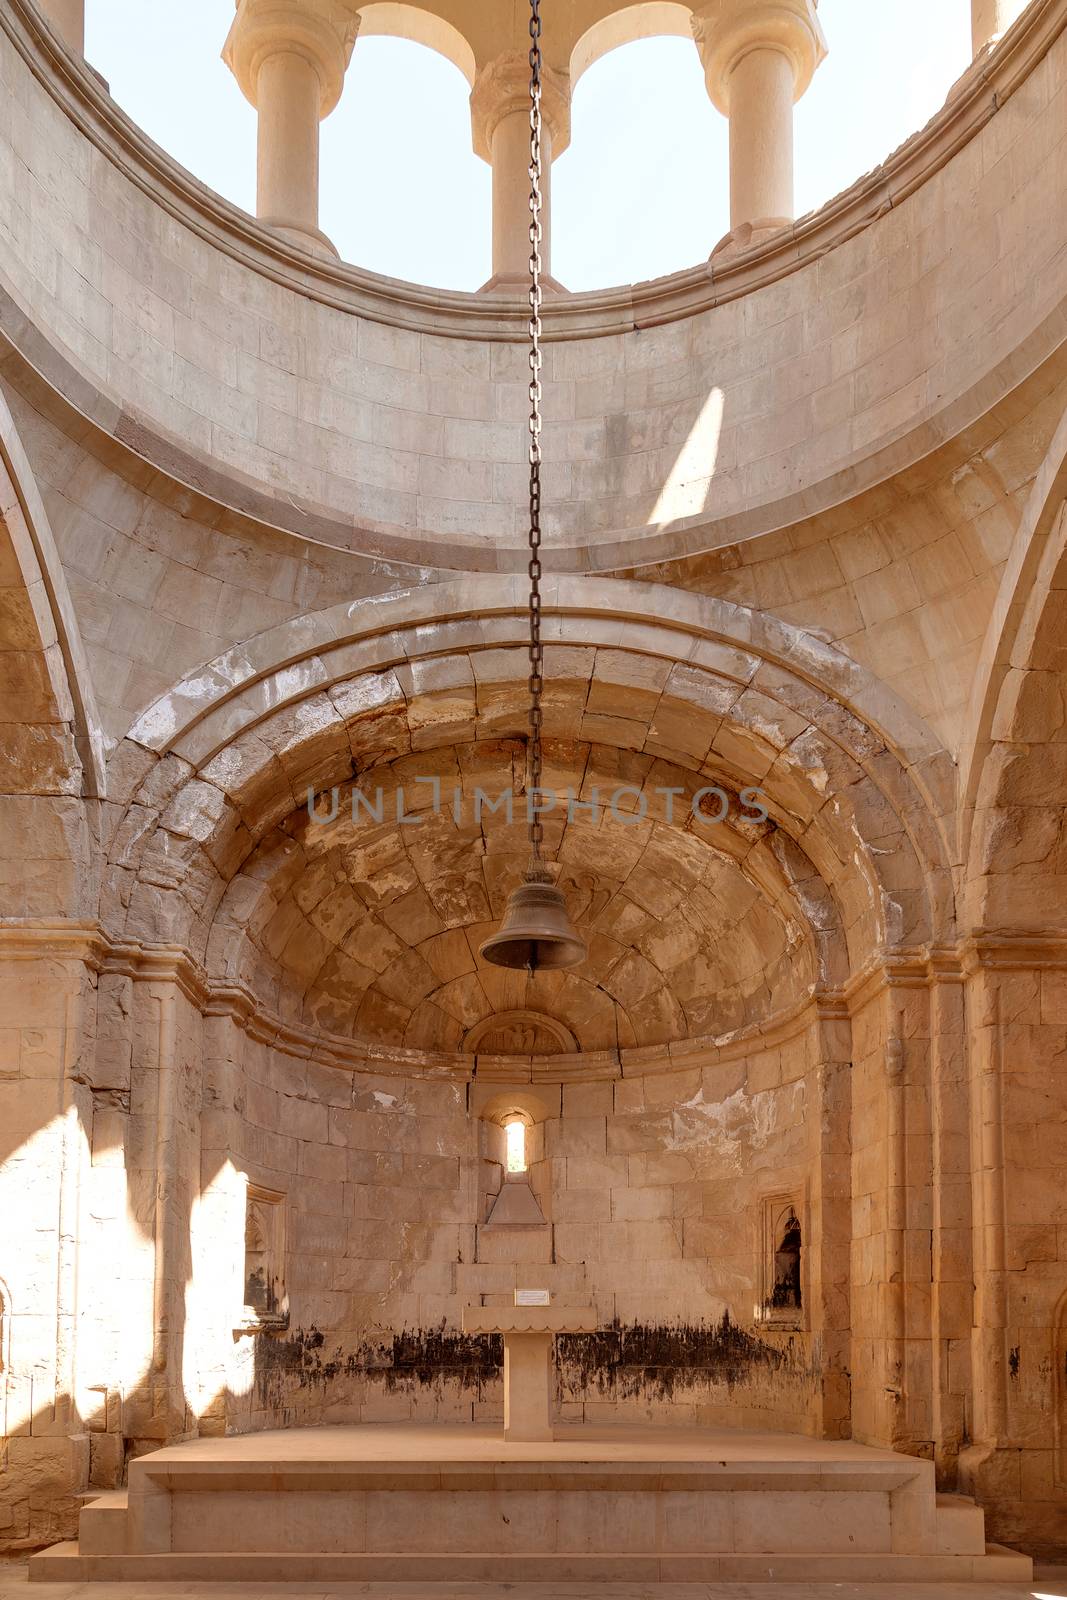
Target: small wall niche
511, 1139
266, 1301
782, 1267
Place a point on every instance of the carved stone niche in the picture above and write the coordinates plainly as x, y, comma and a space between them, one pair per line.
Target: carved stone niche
515, 1188
520, 1033
266, 1306
782, 1266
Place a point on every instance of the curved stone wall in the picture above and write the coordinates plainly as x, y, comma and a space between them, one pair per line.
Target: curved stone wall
288, 385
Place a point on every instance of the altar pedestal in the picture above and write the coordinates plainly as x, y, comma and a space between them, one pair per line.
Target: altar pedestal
528, 1334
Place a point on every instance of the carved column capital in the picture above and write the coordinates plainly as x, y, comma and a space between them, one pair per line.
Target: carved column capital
727, 30
321, 32
502, 88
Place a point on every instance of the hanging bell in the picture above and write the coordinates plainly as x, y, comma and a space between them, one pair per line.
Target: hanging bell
536, 930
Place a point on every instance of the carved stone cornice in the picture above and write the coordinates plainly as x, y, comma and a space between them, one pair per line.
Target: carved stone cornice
1014, 952
43, 939
928, 965
923, 967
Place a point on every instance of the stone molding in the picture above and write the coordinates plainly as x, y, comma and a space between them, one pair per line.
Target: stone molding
726, 30
980, 93
176, 721
322, 32
27, 939
538, 1020
35, 940
502, 89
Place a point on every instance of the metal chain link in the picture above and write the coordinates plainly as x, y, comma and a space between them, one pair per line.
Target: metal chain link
537, 655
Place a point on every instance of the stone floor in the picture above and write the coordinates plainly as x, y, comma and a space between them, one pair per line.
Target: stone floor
1050, 1583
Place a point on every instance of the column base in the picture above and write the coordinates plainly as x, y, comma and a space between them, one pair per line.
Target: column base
518, 283
748, 236
307, 238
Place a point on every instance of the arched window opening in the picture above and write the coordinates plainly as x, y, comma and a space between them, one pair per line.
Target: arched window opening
401, 191
870, 48
515, 1132
643, 189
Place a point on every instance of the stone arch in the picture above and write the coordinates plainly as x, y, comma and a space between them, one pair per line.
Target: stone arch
1014, 760
767, 668
1030, 576
857, 857
52, 734
51, 743
646, 19
394, 19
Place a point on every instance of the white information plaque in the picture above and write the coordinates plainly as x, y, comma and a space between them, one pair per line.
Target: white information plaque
532, 1297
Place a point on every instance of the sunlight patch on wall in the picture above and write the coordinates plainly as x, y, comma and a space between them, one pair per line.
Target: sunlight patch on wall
685, 492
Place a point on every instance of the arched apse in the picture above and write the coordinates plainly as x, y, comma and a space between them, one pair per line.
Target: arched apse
849, 862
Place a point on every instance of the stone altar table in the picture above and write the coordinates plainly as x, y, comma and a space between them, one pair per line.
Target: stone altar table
528, 1334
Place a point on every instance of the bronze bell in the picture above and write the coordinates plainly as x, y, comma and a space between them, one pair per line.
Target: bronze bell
536, 930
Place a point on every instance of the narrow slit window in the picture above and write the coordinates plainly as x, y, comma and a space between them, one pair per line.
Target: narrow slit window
516, 1147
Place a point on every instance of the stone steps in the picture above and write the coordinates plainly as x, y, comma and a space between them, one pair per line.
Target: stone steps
102, 1525
65, 1563
960, 1525
423, 1505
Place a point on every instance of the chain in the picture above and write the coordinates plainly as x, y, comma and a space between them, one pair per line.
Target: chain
537, 654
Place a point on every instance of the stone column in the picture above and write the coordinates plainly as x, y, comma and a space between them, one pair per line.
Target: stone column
991, 18
759, 57
68, 19
290, 59
500, 119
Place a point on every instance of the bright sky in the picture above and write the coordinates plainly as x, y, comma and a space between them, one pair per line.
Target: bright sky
642, 190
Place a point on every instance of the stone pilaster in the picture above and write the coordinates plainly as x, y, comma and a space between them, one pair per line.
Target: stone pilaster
759, 57
290, 59
500, 121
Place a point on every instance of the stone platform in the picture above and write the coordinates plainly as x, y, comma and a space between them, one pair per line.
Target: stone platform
409, 1503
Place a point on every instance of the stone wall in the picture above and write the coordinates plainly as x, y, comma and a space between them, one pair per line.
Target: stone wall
265, 512
651, 1191
271, 379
